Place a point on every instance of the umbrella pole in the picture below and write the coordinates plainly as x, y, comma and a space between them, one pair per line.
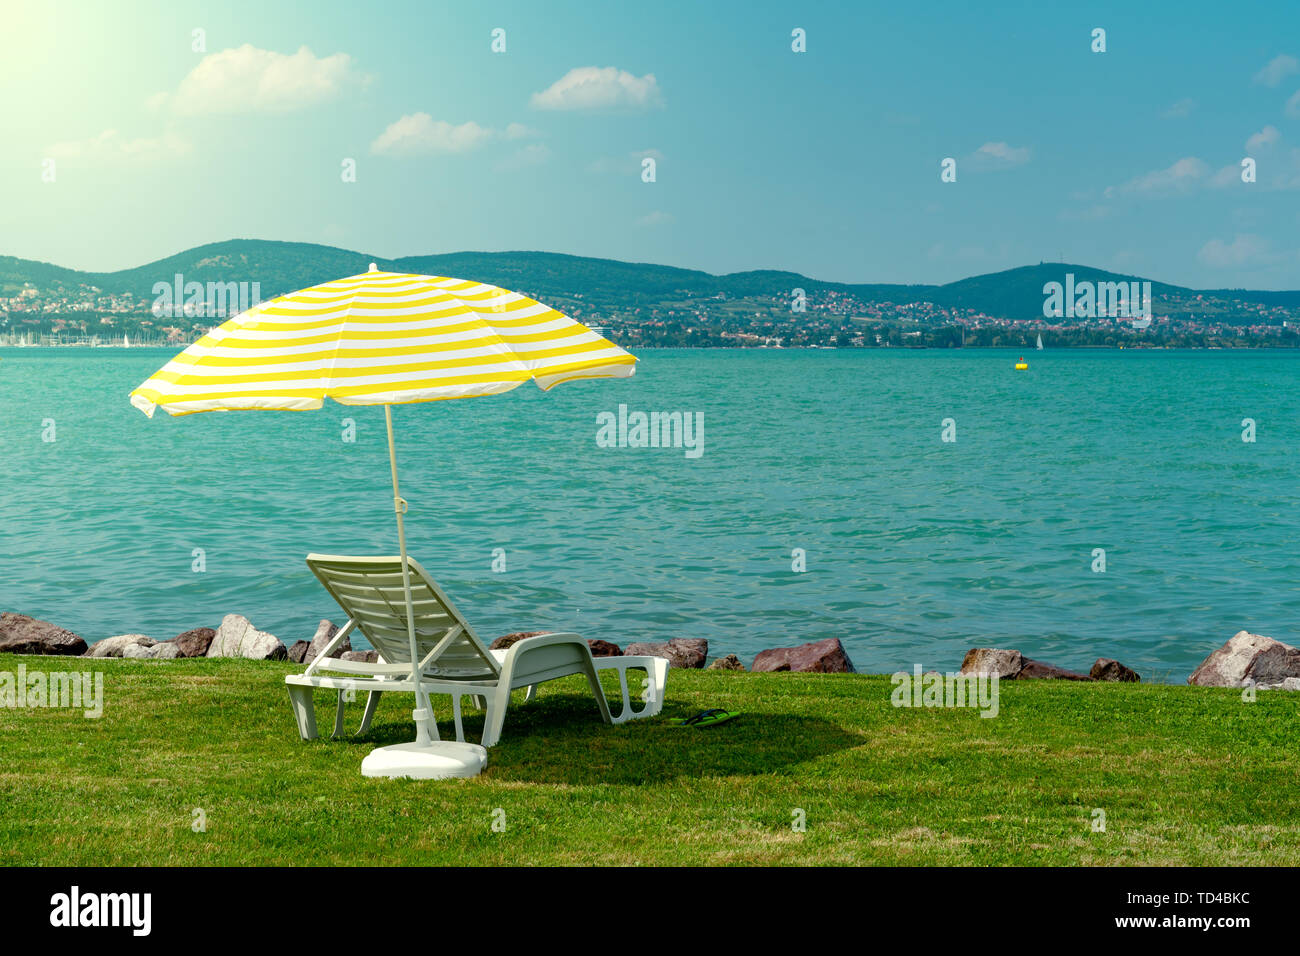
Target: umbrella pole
423, 714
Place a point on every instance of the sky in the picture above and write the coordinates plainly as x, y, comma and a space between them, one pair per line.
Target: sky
127, 136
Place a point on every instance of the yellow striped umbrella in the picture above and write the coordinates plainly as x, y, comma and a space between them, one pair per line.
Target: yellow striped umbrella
381, 338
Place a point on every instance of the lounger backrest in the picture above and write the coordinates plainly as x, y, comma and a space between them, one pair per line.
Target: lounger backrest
369, 589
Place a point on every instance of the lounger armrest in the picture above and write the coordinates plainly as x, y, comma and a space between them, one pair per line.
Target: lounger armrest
339, 665
541, 640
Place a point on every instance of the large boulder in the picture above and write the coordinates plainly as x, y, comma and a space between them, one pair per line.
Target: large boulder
20, 634
325, 632
680, 651
819, 657
367, 657
117, 646
729, 663
1012, 665
1006, 664
1106, 669
604, 649
236, 637
1038, 670
1230, 665
194, 643
298, 650
506, 641
1275, 665
164, 650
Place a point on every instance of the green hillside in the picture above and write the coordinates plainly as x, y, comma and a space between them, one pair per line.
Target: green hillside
281, 267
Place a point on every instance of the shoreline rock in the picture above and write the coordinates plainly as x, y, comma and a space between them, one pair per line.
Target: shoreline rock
194, 643
236, 637
368, 657
1247, 658
729, 663
1105, 669
819, 657
506, 641
1012, 665
325, 632
21, 634
1006, 664
1038, 670
684, 652
117, 646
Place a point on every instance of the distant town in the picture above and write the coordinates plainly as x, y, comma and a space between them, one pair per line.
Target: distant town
679, 309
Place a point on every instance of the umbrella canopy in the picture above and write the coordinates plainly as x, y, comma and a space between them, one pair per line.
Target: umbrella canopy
380, 338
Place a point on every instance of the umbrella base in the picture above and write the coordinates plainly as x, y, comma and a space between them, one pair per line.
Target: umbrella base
433, 761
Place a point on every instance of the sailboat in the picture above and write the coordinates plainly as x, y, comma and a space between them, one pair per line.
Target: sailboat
1040, 341
126, 341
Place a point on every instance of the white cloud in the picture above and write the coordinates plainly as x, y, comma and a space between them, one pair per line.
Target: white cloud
596, 88
520, 131
1292, 108
110, 147
1277, 70
1244, 248
1265, 137
247, 80
1180, 109
419, 134
656, 218
1179, 177
534, 154
999, 156
1229, 175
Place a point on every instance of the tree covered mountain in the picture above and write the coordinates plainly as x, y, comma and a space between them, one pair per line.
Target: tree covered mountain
609, 284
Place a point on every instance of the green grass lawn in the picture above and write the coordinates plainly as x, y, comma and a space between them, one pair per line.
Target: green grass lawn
1185, 776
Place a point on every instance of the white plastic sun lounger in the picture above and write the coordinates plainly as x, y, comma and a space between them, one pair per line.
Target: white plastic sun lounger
453, 660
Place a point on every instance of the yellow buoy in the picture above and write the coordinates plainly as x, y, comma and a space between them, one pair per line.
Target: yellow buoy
1021, 364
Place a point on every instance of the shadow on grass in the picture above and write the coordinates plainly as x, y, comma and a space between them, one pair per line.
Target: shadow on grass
560, 739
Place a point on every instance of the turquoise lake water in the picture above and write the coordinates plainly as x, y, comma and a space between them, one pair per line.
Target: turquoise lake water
916, 549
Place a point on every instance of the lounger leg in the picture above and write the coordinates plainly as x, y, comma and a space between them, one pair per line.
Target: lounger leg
455, 713
594, 680
532, 693
303, 711
372, 701
338, 718
626, 712
496, 715
479, 701
657, 677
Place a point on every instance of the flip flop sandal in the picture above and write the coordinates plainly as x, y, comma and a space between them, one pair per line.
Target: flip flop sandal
705, 718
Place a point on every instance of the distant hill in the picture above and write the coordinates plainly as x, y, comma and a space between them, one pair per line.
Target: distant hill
282, 267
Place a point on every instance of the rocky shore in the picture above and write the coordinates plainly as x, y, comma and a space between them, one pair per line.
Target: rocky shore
1245, 660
